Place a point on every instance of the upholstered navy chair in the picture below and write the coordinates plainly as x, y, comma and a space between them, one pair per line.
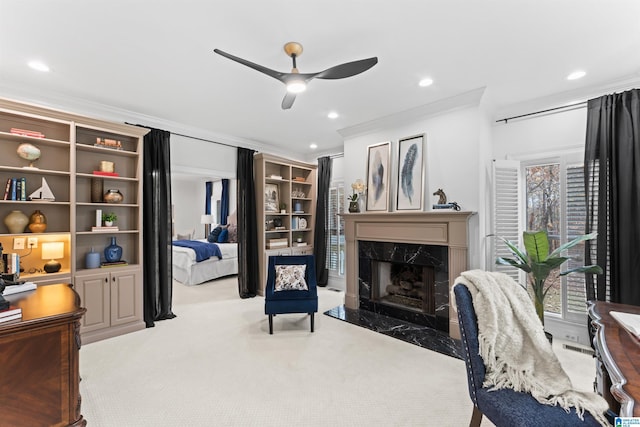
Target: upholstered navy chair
291, 287
503, 407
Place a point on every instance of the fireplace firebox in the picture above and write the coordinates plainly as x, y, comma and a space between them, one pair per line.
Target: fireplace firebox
405, 281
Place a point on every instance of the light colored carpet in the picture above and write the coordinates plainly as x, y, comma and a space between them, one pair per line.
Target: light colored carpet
216, 365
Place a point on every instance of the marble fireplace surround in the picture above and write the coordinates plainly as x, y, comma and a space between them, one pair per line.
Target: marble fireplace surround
448, 228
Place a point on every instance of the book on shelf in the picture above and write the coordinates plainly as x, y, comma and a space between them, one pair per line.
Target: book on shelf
300, 244
105, 229
277, 245
14, 189
11, 263
299, 179
275, 176
7, 190
298, 212
113, 263
102, 173
25, 132
11, 311
629, 321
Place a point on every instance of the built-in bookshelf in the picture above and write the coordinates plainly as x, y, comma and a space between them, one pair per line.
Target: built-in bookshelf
286, 202
73, 151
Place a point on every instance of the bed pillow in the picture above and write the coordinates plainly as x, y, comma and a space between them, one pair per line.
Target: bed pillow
291, 278
213, 236
233, 233
224, 236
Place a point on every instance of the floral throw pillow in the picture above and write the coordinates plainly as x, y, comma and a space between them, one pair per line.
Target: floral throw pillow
290, 278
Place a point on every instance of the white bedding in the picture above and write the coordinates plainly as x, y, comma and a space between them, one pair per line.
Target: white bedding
186, 270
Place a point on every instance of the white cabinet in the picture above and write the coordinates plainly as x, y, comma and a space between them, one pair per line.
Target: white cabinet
113, 301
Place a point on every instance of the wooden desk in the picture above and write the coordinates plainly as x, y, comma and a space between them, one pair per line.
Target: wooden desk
619, 352
39, 379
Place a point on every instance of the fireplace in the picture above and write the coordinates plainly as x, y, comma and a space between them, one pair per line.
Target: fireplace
429, 245
406, 281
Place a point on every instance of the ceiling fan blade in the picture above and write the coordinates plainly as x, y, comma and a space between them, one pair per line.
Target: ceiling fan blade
347, 70
268, 71
287, 101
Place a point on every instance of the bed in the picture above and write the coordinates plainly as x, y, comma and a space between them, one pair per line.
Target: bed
189, 271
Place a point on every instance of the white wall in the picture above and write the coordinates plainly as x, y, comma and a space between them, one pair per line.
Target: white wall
452, 156
551, 133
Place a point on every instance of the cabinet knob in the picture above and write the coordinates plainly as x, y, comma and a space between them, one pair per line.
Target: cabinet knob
113, 279
106, 280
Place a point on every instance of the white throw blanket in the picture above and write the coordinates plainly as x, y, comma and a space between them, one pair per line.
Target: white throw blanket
514, 348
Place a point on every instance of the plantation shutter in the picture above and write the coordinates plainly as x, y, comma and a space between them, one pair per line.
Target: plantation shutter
506, 213
576, 215
336, 206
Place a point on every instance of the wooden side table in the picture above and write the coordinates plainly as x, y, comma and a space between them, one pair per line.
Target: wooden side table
39, 367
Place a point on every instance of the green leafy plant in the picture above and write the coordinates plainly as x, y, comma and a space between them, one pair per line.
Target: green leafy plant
538, 263
109, 217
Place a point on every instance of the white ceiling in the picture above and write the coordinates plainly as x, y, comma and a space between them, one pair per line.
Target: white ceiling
155, 58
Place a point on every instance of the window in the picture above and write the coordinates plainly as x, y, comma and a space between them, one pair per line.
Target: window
335, 233
544, 194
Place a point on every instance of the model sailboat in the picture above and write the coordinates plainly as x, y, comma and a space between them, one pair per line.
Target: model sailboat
43, 193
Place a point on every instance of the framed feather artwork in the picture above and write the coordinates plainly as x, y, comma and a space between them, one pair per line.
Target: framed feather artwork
378, 170
410, 173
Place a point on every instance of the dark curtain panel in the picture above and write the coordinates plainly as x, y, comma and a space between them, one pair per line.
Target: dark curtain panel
612, 184
322, 223
208, 190
224, 202
158, 278
248, 274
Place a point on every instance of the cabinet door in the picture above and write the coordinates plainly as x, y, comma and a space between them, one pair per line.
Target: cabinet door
126, 297
94, 296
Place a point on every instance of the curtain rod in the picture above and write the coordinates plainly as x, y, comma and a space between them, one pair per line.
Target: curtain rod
187, 136
577, 104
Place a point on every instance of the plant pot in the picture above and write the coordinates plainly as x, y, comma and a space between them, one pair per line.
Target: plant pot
354, 206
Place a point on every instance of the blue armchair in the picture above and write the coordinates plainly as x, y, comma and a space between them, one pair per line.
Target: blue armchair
285, 291
503, 407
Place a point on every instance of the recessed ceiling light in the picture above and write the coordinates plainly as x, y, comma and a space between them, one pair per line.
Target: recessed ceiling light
333, 115
576, 75
313, 145
425, 82
39, 66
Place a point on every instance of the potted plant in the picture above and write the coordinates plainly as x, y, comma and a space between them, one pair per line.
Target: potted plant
538, 263
358, 189
109, 218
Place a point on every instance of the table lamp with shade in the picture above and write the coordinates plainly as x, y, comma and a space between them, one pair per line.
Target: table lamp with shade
206, 220
52, 251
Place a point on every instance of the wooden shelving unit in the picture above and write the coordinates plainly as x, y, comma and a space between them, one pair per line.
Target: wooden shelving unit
68, 158
288, 215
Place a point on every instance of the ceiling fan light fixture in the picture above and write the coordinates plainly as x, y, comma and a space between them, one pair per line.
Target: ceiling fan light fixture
296, 86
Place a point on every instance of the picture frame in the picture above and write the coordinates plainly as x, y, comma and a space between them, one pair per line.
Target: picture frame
271, 198
410, 184
378, 170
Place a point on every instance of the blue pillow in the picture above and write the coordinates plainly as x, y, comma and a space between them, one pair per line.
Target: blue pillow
224, 235
213, 236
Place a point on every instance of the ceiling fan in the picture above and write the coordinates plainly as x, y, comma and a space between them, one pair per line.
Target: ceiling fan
295, 81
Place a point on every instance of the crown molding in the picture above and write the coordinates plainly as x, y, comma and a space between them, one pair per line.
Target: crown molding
58, 101
457, 102
568, 98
